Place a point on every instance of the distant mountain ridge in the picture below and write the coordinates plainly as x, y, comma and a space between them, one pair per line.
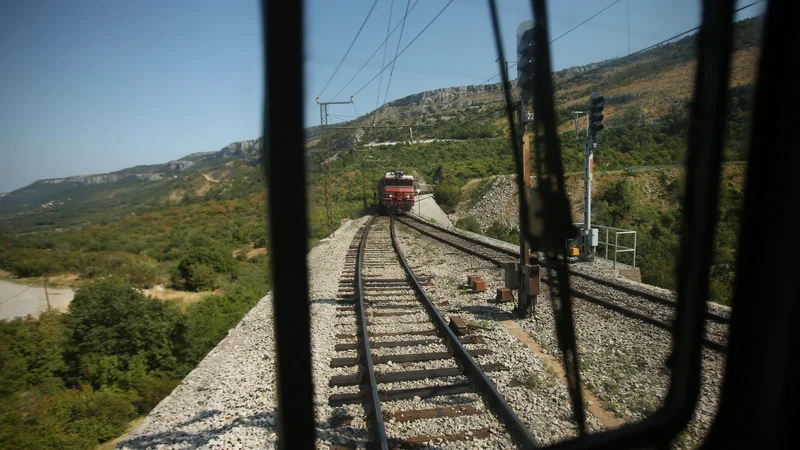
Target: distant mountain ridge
154, 172
40, 191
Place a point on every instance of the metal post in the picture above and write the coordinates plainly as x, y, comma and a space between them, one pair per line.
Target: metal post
363, 183
46, 295
588, 165
526, 303
326, 156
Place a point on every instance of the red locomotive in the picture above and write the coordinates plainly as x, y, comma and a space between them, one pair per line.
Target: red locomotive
396, 192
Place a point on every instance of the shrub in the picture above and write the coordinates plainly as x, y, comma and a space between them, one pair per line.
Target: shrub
32, 262
499, 231
199, 277
447, 194
469, 223
199, 268
111, 318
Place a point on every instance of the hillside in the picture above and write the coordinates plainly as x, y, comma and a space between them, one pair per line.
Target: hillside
48, 193
646, 200
640, 89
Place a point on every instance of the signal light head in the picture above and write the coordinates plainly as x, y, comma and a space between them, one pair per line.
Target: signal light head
596, 105
526, 62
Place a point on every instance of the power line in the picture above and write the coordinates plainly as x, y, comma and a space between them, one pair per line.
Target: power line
395, 55
582, 23
376, 50
385, 47
348, 49
496, 75
562, 35
406, 47
628, 15
15, 295
588, 72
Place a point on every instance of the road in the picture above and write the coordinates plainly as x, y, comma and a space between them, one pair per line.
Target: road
427, 207
17, 300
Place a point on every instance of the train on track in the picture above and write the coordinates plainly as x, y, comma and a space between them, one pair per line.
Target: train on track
396, 192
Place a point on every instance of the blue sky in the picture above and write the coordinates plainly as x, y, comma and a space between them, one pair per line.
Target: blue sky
97, 86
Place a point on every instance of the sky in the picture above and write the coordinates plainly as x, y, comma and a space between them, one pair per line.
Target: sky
97, 86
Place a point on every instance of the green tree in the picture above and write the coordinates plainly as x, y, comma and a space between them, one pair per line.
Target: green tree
447, 194
111, 319
200, 266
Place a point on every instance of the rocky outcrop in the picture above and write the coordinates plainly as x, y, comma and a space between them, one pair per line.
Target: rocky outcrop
179, 165
444, 95
249, 149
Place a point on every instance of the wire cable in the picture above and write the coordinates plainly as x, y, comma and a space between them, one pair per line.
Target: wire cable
376, 50
582, 23
562, 35
395, 55
348, 49
496, 75
406, 47
385, 47
15, 295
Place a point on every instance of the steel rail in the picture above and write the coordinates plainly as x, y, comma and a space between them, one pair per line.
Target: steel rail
369, 382
515, 254
470, 368
713, 345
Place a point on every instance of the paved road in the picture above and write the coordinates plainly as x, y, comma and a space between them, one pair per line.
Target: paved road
427, 207
17, 300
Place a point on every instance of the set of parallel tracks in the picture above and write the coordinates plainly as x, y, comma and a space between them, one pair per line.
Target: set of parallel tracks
379, 291
500, 256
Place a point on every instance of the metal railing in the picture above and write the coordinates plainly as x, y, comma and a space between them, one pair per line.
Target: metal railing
618, 248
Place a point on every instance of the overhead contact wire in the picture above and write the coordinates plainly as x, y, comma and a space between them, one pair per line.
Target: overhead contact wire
406, 47
386, 47
376, 51
391, 73
348, 48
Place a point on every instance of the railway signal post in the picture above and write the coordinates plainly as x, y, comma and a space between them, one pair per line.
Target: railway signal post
588, 234
527, 275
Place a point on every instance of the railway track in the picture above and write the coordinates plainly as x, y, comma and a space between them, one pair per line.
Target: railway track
620, 298
404, 363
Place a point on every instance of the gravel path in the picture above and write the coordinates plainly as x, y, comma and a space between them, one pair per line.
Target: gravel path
622, 360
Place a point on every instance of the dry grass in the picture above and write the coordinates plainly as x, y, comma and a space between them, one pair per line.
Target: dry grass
175, 196
181, 298
249, 252
63, 280
255, 252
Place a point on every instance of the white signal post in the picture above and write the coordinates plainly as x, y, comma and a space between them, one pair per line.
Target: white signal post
586, 236
595, 124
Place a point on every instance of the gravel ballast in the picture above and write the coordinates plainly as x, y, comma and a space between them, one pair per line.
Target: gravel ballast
623, 359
